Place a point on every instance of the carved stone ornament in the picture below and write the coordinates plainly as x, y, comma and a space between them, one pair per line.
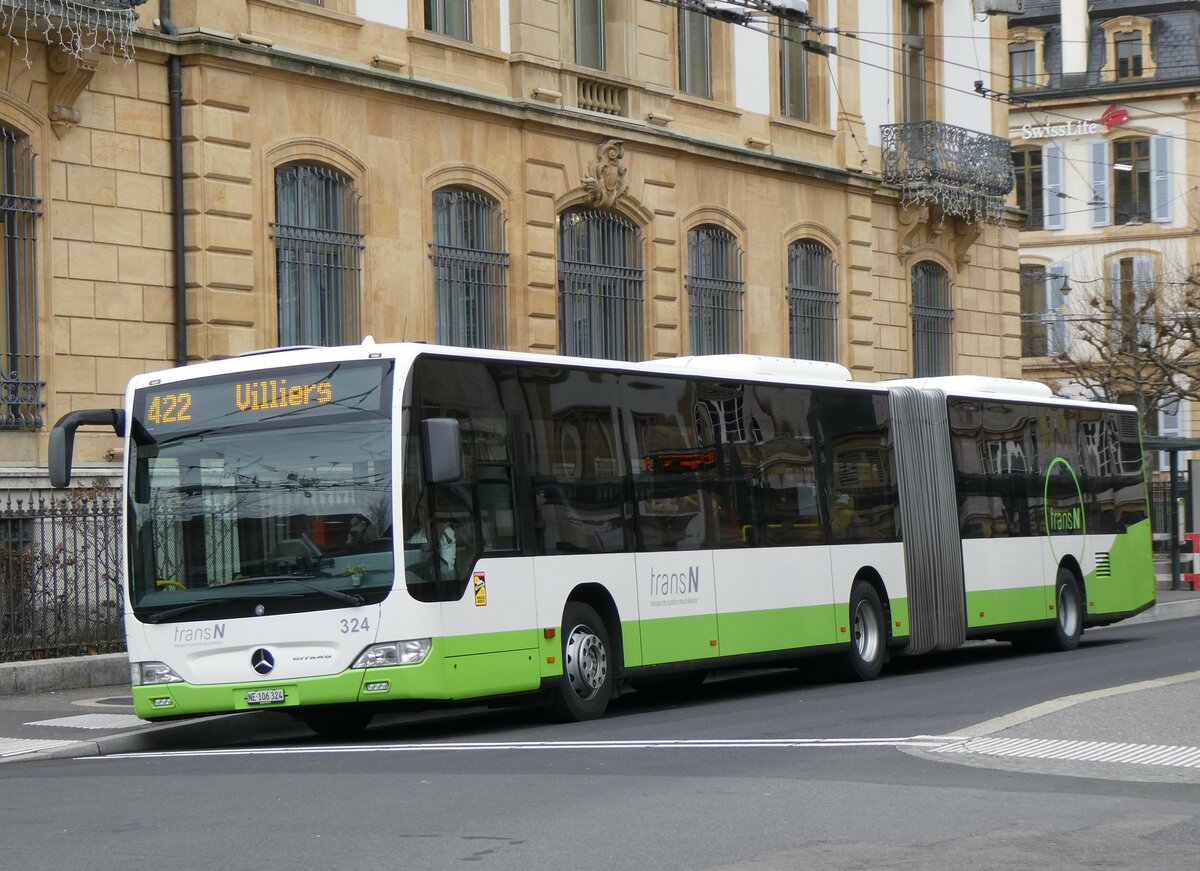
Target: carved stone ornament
605, 182
927, 225
69, 75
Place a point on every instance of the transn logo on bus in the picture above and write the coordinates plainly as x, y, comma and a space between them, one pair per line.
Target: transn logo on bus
1066, 521
675, 584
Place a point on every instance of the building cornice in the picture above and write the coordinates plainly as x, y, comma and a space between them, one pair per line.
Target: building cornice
197, 46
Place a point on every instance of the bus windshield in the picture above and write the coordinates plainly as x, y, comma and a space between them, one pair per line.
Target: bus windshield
238, 494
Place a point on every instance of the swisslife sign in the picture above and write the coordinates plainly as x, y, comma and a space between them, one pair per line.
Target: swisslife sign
1113, 116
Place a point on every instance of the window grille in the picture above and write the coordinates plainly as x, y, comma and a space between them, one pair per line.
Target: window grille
470, 269
933, 320
22, 405
601, 284
715, 291
318, 255
812, 301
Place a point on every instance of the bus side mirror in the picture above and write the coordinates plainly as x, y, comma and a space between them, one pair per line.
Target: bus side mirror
443, 451
62, 438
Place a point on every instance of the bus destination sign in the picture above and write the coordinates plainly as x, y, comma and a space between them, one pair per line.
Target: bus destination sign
260, 396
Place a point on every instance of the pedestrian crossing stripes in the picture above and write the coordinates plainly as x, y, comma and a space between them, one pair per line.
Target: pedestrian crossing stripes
20, 746
1082, 751
92, 721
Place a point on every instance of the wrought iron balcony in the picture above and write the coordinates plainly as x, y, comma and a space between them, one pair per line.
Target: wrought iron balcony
967, 173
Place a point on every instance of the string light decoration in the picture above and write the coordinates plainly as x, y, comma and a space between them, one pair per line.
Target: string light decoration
79, 27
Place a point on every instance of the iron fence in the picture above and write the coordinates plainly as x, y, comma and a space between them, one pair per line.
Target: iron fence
1163, 516
60, 581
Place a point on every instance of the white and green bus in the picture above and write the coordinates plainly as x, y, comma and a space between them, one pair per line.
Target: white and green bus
338, 531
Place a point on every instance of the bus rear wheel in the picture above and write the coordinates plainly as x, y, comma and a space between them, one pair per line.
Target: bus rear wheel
868, 643
1068, 611
587, 682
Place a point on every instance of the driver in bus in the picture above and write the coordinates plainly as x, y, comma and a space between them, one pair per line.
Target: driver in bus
361, 531
447, 540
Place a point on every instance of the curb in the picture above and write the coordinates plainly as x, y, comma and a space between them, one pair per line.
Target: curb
223, 729
1166, 611
67, 673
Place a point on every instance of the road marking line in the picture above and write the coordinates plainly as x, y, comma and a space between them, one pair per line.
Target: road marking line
20, 746
92, 721
919, 741
1080, 751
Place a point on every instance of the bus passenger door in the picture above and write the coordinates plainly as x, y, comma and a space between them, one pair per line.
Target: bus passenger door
472, 533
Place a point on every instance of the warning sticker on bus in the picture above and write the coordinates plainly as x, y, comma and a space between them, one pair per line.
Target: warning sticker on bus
480, 585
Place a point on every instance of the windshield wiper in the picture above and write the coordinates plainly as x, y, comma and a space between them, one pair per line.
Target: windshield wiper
301, 580
347, 598
160, 616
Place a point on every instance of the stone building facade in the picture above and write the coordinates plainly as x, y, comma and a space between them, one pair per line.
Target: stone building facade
619, 178
1104, 149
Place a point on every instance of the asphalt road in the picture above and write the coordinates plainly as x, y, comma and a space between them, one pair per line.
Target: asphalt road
752, 771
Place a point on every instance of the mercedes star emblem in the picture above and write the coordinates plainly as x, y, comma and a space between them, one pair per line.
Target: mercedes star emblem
262, 661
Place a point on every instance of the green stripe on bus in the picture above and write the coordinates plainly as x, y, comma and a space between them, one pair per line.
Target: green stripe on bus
1128, 583
1014, 605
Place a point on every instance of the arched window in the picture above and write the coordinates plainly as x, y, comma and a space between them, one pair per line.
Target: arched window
715, 291
21, 402
470, 269
318, 255
812, 301
933, 320
601, 285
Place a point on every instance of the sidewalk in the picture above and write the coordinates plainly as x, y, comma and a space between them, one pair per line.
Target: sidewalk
82, 707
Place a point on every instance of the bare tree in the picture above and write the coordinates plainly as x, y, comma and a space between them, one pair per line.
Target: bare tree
1135, 340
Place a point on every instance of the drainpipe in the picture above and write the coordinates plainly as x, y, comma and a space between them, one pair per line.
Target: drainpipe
175, 111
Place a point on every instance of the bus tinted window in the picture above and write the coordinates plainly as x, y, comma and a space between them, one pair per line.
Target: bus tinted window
775, 469
856, 463
578, 483
674, 470
1113, 463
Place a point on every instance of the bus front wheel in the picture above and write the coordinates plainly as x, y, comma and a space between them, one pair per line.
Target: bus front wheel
587, 661
868, 643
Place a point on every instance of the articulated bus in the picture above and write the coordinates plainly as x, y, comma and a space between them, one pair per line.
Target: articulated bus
339, 531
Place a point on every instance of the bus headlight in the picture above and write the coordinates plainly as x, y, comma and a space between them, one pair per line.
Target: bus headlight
146, 673
394, 653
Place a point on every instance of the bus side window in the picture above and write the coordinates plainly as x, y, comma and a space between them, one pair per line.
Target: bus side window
673, 472
862, 494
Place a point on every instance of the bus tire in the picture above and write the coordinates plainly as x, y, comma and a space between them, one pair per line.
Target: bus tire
344, 721
1068, 614
868, 643
587, 681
